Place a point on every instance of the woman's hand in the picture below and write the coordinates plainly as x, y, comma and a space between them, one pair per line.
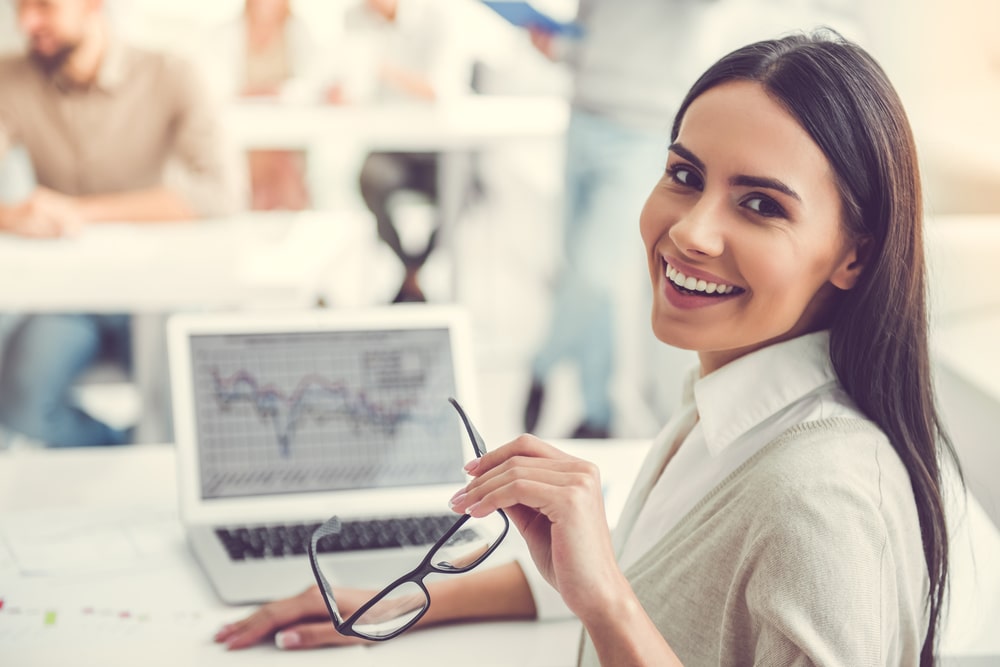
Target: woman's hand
555, 500
297, 622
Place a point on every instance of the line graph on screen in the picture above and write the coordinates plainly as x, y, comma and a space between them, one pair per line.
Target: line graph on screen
323, 410
314, 397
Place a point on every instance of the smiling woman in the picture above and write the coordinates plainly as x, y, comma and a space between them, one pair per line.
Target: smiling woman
727, 214
791, 512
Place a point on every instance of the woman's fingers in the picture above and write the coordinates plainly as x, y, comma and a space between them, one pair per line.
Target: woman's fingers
272, 617
525, 445
312, 635
543, 484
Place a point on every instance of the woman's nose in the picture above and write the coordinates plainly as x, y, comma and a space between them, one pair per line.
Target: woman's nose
699, 231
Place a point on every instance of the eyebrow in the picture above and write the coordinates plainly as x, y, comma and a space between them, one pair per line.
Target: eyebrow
742, 179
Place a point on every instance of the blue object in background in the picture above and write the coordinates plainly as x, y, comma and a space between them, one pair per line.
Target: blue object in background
523, 15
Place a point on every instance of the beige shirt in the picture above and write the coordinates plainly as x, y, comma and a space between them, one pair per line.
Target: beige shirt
146, 122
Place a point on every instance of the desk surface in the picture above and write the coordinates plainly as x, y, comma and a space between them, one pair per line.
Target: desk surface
154, 606
276, 259
465, 122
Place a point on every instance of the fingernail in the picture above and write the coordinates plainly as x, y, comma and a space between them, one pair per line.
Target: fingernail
460, 492
471, 465
287, 640
471, 508
457, 499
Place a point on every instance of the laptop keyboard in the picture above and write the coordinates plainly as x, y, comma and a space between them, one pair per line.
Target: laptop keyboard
269, 541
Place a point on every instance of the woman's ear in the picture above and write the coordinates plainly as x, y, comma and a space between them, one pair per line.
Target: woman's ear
846, 275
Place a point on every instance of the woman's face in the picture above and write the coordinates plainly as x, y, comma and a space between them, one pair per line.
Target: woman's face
743, 231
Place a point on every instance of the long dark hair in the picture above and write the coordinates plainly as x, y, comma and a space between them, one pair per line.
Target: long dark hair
878, 330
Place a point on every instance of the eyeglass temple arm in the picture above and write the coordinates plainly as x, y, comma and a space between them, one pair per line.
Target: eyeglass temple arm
331, 527
477, 440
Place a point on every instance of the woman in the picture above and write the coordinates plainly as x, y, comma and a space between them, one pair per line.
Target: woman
791, 513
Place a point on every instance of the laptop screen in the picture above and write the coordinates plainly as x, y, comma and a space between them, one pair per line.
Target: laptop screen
304, 412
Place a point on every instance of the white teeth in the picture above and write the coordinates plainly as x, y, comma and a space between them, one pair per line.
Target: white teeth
694, 284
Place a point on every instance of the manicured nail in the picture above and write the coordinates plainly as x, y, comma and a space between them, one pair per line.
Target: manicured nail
471, 465
287, 640
471, 508
457, 499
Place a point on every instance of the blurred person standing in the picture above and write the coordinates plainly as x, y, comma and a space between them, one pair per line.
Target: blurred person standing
113, 133
630, 67
402, 51
269, 53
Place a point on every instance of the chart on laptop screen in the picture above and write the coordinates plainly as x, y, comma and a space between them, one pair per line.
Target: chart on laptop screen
321, 411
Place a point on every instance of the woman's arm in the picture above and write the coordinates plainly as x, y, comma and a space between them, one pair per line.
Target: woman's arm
301, 621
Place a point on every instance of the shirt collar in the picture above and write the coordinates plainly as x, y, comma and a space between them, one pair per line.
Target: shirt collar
745, 392
111, 73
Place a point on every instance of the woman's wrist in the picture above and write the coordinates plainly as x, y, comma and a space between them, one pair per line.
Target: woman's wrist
612, 600
621, 630
500, 592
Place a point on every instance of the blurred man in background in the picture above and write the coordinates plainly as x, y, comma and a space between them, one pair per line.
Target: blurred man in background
113, 133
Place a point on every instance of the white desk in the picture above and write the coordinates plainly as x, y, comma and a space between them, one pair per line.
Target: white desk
254, 260
156, 608
337, 138
461, 123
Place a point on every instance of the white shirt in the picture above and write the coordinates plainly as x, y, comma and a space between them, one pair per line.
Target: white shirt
421, 38
724, 419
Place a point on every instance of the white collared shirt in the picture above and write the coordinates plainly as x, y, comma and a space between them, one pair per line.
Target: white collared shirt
724, 419
739, 408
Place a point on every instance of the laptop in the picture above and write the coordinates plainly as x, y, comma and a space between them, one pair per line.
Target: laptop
283, 419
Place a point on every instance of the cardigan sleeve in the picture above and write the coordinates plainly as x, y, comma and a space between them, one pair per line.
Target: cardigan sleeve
827, 583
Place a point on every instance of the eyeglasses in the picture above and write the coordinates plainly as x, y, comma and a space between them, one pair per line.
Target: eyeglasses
398, 606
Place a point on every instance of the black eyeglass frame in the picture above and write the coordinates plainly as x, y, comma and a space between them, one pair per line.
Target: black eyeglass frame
414, 576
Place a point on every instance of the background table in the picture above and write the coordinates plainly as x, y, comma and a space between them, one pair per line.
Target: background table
282, 260
336, 139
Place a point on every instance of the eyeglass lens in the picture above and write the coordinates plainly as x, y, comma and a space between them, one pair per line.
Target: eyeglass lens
395, 610
399, 606
470, 545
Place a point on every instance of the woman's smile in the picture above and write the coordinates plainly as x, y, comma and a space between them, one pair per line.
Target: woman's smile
686, 287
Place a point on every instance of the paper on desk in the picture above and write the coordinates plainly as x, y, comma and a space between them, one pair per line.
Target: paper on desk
75, 541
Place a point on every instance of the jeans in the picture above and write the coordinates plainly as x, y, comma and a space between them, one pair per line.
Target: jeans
42, 358
610, 170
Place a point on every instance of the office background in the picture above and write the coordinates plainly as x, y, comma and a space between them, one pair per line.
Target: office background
945, 61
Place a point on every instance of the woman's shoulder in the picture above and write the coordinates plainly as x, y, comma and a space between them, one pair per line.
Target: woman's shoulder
818, 452
841, 468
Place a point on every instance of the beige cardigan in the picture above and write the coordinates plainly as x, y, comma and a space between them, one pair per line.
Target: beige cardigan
809, 553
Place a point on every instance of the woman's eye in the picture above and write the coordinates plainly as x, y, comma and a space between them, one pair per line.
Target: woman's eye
765, 206
684, 176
